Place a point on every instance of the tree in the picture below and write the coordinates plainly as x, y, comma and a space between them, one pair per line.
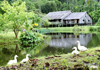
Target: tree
45, 22
2, 23
29, 5
49, 7
15, 16
98, 23
1, 11
95, 15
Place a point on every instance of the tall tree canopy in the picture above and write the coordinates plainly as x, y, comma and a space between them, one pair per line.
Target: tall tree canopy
49, 7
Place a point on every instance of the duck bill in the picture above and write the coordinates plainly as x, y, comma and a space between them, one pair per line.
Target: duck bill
75, 42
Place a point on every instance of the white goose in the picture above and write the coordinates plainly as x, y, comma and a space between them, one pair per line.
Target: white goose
26, 59
75, 51
81, 48
13, 61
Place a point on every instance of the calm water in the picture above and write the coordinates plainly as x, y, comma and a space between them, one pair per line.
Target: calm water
59, 43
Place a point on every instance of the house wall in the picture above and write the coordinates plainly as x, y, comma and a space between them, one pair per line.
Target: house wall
85, 19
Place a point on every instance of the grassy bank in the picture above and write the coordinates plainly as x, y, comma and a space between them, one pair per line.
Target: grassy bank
92, 56
8, 38
79, 29
84, 61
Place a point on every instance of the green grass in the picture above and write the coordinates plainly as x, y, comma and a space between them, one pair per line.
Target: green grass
8, 38
78, 29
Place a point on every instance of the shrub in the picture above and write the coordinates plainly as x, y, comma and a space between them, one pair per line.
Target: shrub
31, 39
92, 29
76, 28
98, 29
46, 23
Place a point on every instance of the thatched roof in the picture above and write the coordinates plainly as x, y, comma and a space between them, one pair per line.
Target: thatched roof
77, 15
57, 15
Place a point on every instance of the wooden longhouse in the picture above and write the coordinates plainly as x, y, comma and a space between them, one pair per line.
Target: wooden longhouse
66, 18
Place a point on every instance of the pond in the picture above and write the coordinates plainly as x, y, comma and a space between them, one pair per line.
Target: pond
58, 44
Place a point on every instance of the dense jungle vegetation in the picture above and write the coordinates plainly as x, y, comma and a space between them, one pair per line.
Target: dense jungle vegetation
45, 6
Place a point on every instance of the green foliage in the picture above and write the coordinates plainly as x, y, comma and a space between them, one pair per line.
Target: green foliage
76, 30
95, 15
49, 6
98, 23
36, 19
29, 5
2, 22
31, 39
92, 29
16, 17
45, 22
1, 11
98, 29
45, 6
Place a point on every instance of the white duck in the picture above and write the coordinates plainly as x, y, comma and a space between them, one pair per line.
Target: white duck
81, 48
13, 61
75, 51
25, 59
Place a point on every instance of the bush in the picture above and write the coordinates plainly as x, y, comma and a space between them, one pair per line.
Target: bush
98, 29
46, 23
31, 39
98, 23
76, 28
92, 29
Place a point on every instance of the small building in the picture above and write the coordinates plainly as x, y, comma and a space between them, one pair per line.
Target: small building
69, 18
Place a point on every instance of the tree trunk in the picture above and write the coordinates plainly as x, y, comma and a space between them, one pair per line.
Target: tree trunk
17, 49
16, 33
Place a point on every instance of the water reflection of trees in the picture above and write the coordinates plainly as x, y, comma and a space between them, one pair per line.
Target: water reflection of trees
68, 40
48, 51
95, 41
7, 53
